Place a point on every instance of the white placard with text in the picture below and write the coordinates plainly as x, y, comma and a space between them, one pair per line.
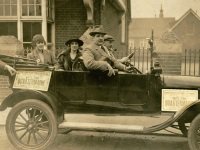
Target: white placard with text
34, 80
175, 99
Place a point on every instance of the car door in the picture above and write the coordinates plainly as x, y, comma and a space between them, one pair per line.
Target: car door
70, 85
133, 89
100, 87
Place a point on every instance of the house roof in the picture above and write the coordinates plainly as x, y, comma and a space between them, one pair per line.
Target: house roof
190, 11
142, 27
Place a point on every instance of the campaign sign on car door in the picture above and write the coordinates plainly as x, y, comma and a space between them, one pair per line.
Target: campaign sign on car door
175, 99
34, 80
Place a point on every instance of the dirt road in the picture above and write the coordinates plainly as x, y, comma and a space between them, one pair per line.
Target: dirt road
79, 140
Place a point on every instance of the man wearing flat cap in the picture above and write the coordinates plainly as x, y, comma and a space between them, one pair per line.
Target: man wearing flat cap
108, 43
95, 57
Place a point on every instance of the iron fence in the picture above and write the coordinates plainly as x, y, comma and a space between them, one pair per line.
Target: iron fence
141, 59
190, 62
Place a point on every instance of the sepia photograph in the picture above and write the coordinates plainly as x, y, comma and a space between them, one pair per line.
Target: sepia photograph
99, 74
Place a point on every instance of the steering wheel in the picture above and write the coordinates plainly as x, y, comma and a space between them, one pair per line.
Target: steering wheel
132, 69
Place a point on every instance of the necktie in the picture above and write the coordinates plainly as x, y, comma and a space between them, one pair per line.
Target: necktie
105, 50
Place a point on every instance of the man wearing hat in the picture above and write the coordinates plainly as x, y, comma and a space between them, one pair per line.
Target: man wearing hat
70, 59
108, 43
95, 57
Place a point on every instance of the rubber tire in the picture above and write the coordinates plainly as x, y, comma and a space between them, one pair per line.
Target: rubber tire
194, 126
30, 103
183, 128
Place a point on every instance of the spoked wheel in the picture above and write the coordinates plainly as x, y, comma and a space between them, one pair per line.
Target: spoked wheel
194, 134
184, 127
31, 124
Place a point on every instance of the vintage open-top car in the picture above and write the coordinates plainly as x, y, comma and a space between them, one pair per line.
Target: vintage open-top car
42, 96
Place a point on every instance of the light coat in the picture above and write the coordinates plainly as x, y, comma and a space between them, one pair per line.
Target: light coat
48, 57
98, 58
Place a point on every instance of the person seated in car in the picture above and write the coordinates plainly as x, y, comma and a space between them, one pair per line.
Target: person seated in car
97, 57
71, 59
108, 43
39, 53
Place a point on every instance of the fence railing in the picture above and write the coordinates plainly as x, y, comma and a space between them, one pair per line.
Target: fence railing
141, 59
191, 62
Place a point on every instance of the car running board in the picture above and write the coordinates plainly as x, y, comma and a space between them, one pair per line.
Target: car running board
102, 127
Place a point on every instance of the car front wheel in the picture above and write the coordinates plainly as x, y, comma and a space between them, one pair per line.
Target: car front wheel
194, 134
31, 124
183, 127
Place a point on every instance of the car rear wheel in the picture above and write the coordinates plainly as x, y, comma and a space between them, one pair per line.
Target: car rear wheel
194, 134
31, 124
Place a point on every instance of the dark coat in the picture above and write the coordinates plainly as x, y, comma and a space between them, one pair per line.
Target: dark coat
3, 71
66, 63
2, 65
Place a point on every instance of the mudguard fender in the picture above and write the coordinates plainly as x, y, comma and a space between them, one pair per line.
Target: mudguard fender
21, 95
188, 112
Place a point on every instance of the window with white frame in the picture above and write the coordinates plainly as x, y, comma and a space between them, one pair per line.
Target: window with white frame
123, 29
8, 28
28, 20
31, 8
29, 30
50, 20
50, 10
8, 7
49, 32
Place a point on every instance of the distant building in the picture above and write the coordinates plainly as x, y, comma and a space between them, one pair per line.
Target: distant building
185, 31
171, 37
141, 28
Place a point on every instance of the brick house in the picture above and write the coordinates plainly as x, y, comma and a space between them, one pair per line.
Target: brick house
141, 28
187, 29
60, 20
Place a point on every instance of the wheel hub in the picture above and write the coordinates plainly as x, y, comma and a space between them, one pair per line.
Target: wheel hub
32, 125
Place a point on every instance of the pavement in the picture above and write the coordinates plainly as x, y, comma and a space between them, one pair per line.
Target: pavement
81, 140
4, 92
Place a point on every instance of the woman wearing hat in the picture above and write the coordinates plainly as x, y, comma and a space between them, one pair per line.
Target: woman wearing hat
71, 59
39, 53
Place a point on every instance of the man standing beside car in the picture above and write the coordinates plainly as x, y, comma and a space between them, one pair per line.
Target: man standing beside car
4, 67
95, 57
